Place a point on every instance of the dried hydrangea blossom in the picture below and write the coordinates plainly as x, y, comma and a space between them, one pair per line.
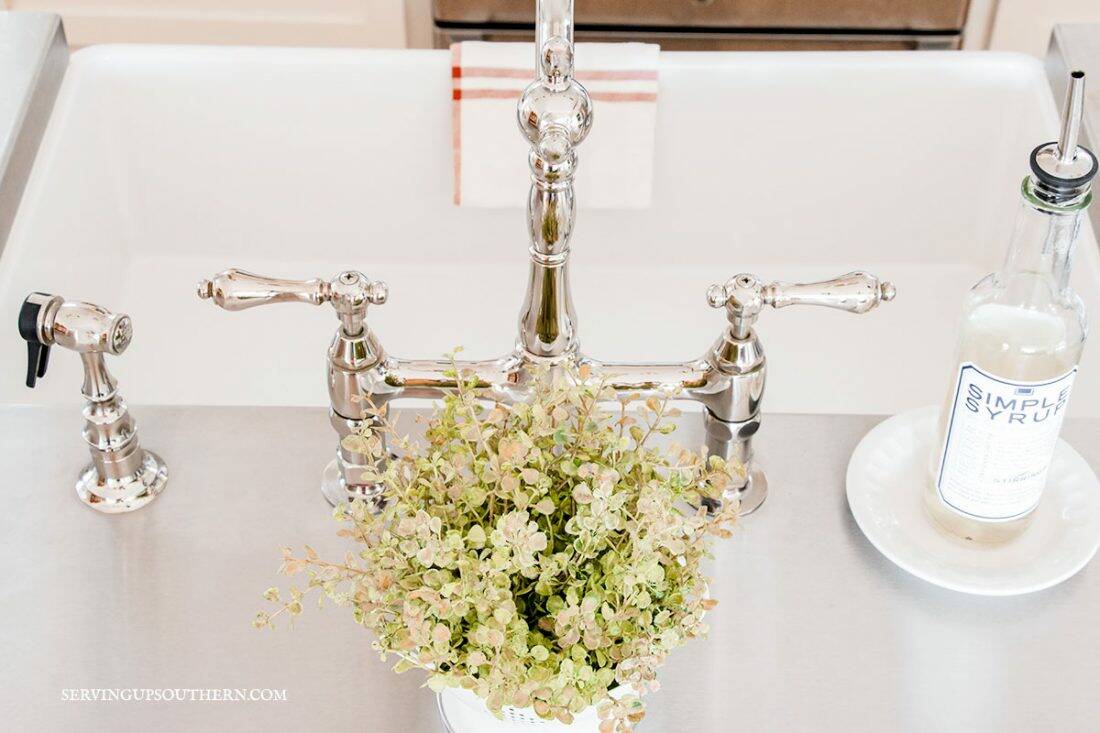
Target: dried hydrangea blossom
538, 554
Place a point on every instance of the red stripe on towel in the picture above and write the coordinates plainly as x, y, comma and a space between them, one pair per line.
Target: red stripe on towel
456, 122
623, 96
460, 94
489, 72
487, 93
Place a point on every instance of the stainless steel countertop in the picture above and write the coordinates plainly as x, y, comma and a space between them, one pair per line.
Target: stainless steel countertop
33, 56
814, 631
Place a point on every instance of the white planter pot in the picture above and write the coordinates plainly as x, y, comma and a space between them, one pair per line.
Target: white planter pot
464, 712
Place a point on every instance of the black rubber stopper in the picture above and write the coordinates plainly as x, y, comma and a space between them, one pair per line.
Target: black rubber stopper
1061, 183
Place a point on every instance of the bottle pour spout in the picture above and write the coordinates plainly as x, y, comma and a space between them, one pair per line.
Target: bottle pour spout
1071, 118
1062, 171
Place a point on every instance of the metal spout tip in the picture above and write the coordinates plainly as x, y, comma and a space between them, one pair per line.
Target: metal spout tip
1071, 118
205, 289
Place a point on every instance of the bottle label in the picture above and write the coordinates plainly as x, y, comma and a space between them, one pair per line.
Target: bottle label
999, 442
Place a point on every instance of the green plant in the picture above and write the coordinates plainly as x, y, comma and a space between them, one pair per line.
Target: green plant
537, 553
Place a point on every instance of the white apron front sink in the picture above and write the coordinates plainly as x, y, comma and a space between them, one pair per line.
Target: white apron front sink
163, 165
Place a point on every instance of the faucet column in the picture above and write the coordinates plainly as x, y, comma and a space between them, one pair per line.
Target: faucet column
356, 397
355, 359
734, 393
731, 409
555, 115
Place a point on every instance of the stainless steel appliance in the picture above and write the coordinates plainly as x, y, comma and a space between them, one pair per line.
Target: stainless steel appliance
721, 25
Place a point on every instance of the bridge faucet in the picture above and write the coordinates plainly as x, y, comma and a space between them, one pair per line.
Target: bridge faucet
555, 116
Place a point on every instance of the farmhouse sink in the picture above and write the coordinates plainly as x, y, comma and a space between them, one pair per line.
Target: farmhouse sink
162, 165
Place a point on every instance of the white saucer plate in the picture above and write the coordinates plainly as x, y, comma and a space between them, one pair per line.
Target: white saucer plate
887, 476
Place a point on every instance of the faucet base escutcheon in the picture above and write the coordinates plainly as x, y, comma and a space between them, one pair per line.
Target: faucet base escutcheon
753, 493
125, 494
336, 490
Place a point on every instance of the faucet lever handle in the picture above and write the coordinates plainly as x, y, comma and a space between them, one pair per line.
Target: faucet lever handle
350, 293
855, 292
236, 290
744, 296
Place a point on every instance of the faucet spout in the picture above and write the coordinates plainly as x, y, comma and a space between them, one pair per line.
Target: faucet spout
555, 115
554, 19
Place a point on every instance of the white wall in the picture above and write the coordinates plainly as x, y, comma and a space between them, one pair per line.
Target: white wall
418, 23
378, 23
1026, 25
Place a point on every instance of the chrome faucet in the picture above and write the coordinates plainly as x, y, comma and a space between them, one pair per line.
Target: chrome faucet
555, 115
122, 476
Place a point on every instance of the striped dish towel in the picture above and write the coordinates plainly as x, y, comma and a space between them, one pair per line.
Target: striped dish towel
615, 169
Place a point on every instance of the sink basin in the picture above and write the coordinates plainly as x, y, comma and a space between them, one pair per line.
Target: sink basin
162, 165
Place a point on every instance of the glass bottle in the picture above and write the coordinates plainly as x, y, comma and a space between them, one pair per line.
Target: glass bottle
1020, 340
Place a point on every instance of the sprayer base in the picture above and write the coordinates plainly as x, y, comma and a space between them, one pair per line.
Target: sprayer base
116, 496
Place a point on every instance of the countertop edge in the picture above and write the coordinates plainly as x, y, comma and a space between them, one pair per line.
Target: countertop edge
35, 54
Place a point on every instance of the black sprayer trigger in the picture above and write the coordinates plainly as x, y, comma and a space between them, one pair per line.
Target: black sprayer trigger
38, 353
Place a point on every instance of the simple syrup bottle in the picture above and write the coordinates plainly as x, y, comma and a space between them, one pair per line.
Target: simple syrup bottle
1020, 340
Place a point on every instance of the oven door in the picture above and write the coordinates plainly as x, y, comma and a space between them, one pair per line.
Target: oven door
746, 25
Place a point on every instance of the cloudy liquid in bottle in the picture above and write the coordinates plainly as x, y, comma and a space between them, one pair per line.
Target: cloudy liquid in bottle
1016, 366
